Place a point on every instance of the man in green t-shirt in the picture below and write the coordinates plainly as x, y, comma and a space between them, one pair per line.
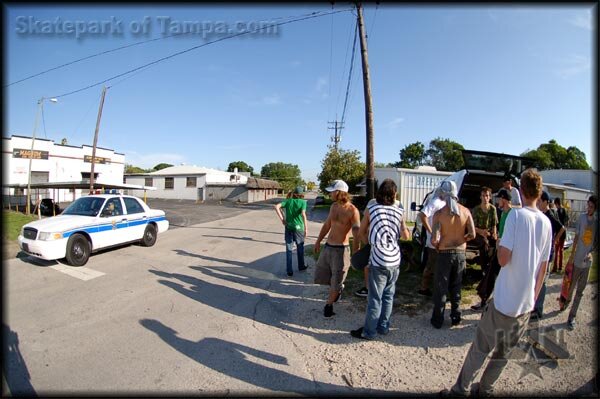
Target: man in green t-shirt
295, 227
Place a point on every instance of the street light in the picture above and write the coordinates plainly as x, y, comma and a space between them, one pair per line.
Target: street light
37, 117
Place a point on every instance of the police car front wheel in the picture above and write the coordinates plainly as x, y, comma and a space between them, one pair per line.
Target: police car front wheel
78, 250
149, 237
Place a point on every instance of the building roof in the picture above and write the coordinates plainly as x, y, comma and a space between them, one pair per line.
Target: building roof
254, 182
182, 170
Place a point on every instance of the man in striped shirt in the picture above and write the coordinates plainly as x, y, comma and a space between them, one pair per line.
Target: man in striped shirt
384, 224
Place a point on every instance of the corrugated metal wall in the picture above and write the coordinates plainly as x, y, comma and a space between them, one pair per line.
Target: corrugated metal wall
414, 187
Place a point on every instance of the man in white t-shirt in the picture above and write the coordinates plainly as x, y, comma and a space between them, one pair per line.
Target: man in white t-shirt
515, 200
523, 254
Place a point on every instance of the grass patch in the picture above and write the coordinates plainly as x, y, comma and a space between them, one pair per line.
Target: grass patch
12, 222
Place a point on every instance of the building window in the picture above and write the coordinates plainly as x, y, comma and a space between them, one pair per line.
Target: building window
148, 182
190, 182
169, 184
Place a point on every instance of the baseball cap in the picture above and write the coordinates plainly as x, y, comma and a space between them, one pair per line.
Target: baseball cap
504, 194
337, 185
545, 196
299, 190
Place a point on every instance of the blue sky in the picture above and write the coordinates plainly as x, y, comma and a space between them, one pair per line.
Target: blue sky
493, 78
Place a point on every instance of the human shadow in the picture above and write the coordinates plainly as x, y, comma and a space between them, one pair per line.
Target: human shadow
244, 239
14, 369
232, 359
275, 311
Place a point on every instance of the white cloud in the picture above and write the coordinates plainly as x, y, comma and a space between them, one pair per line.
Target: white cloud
582, 21
394, 123
273, 99
573, 65
150, 160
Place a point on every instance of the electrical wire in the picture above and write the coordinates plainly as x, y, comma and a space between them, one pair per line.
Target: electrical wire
350, 73
127, 46
337, 103
330, 65
372, 23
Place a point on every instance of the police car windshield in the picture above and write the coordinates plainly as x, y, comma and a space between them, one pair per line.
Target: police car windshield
85, 206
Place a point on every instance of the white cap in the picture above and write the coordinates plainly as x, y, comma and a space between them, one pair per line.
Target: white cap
338, 185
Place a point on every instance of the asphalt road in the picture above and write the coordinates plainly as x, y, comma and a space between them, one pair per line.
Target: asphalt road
207, 310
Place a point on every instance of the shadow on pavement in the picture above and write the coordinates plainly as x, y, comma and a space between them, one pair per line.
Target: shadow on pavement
282, 303
14, 368
232, 359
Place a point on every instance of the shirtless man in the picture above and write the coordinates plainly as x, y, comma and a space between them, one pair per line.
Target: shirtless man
452, 227
334, 262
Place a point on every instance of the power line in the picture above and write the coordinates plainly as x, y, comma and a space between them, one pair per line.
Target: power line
350, 73
311, 16
120, 48
344, 68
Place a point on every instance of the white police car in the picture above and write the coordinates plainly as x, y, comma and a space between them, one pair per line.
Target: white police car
92, 223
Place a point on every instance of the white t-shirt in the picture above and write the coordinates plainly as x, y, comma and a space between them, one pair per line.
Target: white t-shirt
515, 197
528, 234
431, 207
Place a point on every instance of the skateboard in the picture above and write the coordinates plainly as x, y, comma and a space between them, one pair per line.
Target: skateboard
566, 284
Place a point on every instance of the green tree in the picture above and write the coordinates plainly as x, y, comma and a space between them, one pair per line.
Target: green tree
241, 167
541, 159
445, 154
552, 155
311, 185
412, 155
344, 165
133, 169
162, 166
288, 175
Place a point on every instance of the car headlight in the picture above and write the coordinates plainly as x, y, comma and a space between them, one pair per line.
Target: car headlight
49, 236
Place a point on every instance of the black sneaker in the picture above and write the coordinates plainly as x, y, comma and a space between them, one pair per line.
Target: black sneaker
301, 269
363, 292
290, 274
425, 292
478, 307
455, 320
328, 311
357, 333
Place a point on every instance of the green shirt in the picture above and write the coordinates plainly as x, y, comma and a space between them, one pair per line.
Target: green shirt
502, 220
485, 219
293, 213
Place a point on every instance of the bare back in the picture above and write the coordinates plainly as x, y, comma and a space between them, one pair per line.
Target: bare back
455, 230
342, 218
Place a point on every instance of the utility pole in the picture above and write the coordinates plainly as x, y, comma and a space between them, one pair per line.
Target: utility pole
96, 138
368, 105
338, 126
37, 115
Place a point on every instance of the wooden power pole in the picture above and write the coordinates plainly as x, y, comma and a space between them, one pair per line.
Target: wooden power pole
368, 106
96, 139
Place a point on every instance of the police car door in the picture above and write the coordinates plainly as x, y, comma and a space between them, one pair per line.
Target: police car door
113, 224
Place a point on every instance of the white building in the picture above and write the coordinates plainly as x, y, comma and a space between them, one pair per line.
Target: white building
413, 184
54, 163
584, 179
202, 184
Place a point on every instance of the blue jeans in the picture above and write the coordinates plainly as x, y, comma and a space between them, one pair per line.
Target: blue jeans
291, 237
382, 285
539, 303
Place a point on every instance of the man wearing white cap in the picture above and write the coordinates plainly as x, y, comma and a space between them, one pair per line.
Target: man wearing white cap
334, 262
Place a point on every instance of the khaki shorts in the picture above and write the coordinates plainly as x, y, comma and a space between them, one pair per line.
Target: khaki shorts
332, 266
